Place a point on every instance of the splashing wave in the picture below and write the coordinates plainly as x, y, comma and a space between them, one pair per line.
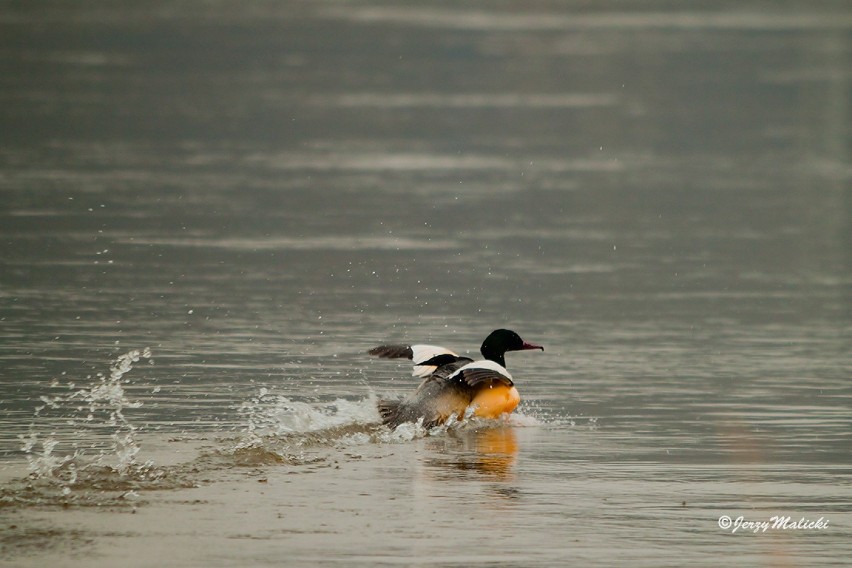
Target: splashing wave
83, 450
89, 412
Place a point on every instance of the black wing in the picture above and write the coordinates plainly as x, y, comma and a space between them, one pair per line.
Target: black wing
478, 372
392, 352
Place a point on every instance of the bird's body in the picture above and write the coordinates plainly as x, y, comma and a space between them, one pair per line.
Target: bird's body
495, 399
452, 384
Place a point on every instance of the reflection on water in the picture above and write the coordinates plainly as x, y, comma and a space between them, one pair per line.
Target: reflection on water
545, 20
489, 451
262, 193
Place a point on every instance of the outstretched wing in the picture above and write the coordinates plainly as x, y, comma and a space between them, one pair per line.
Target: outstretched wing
392, 351
420, 354
481, 371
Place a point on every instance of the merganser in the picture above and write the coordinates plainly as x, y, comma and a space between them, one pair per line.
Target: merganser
452, 383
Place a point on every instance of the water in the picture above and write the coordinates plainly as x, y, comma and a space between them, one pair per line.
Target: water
211, 212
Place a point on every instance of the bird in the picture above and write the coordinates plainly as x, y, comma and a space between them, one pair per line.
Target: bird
453, 383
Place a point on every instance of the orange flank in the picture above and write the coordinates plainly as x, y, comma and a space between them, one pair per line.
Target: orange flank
495, 399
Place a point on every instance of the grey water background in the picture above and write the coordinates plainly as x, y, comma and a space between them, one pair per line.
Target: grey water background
659, 194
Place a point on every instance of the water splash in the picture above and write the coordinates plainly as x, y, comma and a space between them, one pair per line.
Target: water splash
280, 429
87, 428
267, 414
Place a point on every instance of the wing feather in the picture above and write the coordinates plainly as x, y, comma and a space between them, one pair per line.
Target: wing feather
392, 351
417, 353
478, 372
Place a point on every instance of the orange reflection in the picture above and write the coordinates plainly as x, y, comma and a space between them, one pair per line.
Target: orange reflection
496, 451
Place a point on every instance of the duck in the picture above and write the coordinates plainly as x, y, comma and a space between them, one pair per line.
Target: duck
452, 383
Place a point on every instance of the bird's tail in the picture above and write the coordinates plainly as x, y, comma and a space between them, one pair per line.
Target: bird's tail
389, 412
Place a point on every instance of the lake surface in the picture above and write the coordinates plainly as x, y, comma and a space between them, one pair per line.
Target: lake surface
210, 211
